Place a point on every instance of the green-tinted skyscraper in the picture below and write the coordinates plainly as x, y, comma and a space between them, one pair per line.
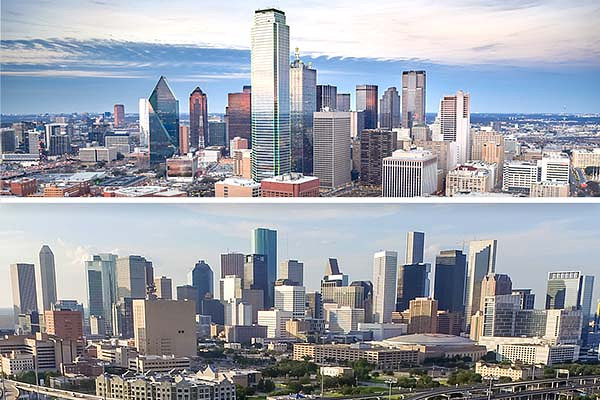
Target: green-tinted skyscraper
163, 115
264, 241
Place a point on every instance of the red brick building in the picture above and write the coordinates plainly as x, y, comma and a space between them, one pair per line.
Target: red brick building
290, 185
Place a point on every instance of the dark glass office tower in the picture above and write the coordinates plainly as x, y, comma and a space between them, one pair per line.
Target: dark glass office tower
413, 282
198, 119
163, 111
450, 277
264, 241
375, 145
326, 97
389, 109
237, 115
256, 276
413, 98
202, 280
366, 100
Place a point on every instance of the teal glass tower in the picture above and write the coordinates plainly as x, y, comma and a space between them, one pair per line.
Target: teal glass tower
163, 113
264, 241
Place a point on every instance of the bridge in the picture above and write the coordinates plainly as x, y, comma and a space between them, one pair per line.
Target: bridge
15, 389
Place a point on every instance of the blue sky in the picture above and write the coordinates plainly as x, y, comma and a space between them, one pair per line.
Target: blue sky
533, 239
513, 56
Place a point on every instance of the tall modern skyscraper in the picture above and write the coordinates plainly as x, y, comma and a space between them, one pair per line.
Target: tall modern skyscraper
343, 102
409, 174
101, 282
132, 277
24, 292
413, 98
450, 275
413, 282
232, 264
415, 247
256, 276
366, 100
144, 122
375, 145
326, 98
270, 76
482, 261
264, 241
331, 132
47, 278
164, 288
119, 115
385, 266
237, 114
198, 119
455, 123
389, 109
567, 289
292, 270
163, 115
202, 279
303, 103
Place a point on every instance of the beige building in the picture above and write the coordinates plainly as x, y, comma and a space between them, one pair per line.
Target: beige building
582, 158
165, 327
423, 315
144, 364
444, 151
467, 178
488, 146
16, 362
514, 372
242, 163
237, 187
549, 189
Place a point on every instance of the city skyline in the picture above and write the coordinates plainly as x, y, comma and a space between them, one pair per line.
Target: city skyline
361, 231
59, 64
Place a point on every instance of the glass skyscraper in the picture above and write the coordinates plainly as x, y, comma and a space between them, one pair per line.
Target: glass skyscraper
366, 100
237, 115
198, 119
413, 98
270, 77
389, 109
568, 289
482, 261
202, 280
102, 286
450, 275
264, 241
163, 115
303, 103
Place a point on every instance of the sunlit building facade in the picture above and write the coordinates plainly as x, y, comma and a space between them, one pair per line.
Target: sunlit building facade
163, 116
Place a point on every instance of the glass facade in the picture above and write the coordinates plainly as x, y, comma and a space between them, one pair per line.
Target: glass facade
198, 119
202, 281
366, 100
270, 78
238, 116
217, 133
163, 114
303, 103
264, 241
413, 98
450, 275
389, 109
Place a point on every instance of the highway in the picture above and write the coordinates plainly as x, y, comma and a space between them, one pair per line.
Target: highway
61, 394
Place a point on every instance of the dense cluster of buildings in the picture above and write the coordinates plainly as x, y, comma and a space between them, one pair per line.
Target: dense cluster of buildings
290, 135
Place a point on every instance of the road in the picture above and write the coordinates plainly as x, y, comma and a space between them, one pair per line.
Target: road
60, 394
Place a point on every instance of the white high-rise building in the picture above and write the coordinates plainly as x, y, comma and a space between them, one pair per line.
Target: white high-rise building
455, 123
344, 319
331, 148
144, 116
519, 176
270, 78
230, 288
385, 267
481, 262
292, 270
555, 167
566, 289
47, 278
291, 298
409, 174
275, 321
237, 312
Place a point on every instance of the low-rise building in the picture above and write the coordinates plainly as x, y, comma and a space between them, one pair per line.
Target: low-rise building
93, 155
549, 189
16, 362
182, 168
469, 178
290, 185
152, 363
336, 372
237, 187
512, 371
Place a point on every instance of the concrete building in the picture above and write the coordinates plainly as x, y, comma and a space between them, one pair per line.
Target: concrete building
455, 123
488, 146
232, 264
413, 98
519, 176
389, 109
409, 174
135, 275
343, 319
242, 163
237, 187
65, 324
164, 288
468, 178
513, 371
165, 327
332, 164
47, 278
182, 168
581, 158
292, 270
555, 167
549, 189
16, 362
385, 267
423, 315
481, 261
93, 155
444, 151
275, 321
375, 145
566, 289
230, 288
291, 298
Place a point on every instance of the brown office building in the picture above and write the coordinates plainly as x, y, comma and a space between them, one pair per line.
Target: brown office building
367, 101
232, 264
184, 139
65, 324
423, 315
290, 185
375, 145
119, 116
198, 119
237, 114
